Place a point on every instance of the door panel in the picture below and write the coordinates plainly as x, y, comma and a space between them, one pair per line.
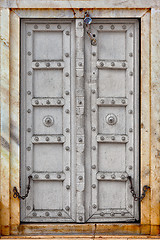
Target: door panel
79, 120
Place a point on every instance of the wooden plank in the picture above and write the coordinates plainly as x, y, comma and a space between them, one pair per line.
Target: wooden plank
80, 4
155, 119
15, 125
145, 118
5, 123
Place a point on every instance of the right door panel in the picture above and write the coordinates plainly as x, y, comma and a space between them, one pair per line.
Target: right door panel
112, 83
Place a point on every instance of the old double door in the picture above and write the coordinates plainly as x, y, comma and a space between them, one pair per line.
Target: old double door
79, 120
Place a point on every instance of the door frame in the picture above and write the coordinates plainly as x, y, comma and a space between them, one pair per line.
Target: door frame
10, 124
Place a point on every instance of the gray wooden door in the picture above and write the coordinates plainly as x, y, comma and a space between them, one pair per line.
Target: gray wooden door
79, 120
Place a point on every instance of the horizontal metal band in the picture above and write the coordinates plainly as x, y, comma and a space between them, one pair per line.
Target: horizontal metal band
112, 138
112, 64
48, 101
47, 64
49, 214
55, 176
112, 101
48, 139
112, 176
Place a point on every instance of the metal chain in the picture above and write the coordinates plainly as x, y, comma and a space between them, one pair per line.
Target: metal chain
17, 194
88, 21
145, 189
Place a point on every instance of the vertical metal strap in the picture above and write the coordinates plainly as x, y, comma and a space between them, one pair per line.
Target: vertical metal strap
80, 119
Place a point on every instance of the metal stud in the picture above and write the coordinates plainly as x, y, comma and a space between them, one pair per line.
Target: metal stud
122, 213
34, 214
131, 130
102, 213
80, 177
113, 101
36, 102
67, 148
131, 74
131, 54
102, 100
130, 206
93, 91
93, 129
35, 26
47, 102
102, 138
67, 208
102, 176
67, 168
47, 139
47, 176
123, 101
67, 130
58, 139
130, 111
28, 208
80, 102
67, 111
101, 27
123, 138
67, 92
94, 206
59, 26
94, 54
112, 214
94, 148
80, 64
29, 53
37, 64
48, 64
80, 140
130, 167
59, 176
58, 101
46, 214
101, 64
131, 92
113, 138
130, 149
47, 26
123, 64
67, 74
28, 148
113, 176
28, 168
112, 64
93, 109
59, 214
122, 176
93, 185
29, 111
36, 176
36, 139
29, 73
112, 27
58, 64
29, 33
131, 34
28, 129
80, 218
67, 187
29, 92
66, 54
79, 24
93, 166
67, 32
124, 26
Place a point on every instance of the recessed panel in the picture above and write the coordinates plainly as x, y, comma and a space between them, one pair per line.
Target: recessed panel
47, 195
111, 194
40, 114
111, 83
47, 45
111, 157
111, 45
48, 157
48, 83
119, 124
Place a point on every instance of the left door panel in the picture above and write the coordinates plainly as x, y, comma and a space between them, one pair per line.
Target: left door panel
45, 121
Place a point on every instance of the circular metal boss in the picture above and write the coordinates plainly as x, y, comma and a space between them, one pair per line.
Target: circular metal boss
48, 121
111, 119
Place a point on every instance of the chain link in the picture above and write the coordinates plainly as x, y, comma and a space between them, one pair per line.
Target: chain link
136, 198
17, 194
88, 21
